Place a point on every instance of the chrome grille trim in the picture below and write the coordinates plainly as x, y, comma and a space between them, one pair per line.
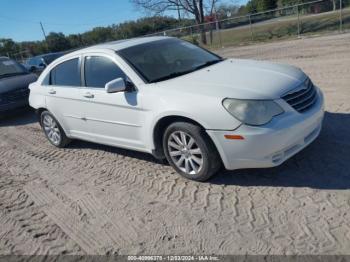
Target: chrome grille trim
295, 94
308, 105
302, 99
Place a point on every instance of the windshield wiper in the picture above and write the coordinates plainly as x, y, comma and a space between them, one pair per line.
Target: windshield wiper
209, 63
172, 75
176, 74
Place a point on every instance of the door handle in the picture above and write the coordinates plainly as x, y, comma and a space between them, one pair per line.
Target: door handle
52, 92
88, 95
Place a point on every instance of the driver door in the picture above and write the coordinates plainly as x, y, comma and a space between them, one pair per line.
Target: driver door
112, 118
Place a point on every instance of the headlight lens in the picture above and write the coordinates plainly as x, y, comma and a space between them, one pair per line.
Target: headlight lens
252, 112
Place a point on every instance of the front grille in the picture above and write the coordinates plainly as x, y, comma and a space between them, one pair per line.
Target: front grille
302, 99
15, 95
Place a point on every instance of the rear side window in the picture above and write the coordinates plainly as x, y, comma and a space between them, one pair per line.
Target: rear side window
66, 74
100, 70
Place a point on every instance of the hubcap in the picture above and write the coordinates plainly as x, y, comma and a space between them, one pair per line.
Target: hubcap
51, 129
185, 152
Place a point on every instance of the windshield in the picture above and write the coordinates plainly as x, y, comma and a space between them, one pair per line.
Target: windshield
9, 67
165, 59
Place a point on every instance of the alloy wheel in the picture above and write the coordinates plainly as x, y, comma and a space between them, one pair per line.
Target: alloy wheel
185, 152
51, 129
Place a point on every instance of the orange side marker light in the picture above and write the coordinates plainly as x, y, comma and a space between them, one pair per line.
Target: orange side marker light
235, 137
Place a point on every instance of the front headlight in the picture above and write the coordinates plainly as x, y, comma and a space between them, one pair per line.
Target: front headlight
252, 112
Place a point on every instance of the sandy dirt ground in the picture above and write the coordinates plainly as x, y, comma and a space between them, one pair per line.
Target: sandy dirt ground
92, 199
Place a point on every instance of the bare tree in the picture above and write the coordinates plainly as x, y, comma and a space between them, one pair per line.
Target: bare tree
197, 8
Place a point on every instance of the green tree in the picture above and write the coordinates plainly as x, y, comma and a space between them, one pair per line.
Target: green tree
34, 47
76, 41
254, 6
57, 42
264, 5
8, 46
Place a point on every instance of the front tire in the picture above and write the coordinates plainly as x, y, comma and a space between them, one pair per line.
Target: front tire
53, 131
190, 151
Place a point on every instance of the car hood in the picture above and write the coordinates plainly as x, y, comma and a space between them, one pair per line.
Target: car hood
16, 82
238, 78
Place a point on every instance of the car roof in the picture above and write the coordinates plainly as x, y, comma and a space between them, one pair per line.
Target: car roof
122, 44
114, 46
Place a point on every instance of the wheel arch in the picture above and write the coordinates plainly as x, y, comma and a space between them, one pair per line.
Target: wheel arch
39, 111
162, 124
42, 109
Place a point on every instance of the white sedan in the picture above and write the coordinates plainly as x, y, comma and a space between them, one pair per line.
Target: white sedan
177, 101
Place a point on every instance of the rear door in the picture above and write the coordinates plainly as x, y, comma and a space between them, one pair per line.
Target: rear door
64, 97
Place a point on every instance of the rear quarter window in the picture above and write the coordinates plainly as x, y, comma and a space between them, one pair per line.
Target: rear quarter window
66, 74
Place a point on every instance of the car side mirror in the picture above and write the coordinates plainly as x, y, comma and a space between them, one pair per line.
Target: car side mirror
116, 85
42, 65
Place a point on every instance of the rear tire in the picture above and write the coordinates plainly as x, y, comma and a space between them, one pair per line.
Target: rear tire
190, 151
53, 130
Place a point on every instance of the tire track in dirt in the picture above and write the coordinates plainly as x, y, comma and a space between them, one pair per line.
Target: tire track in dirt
31, 228
93, 239
160, 183
198, 197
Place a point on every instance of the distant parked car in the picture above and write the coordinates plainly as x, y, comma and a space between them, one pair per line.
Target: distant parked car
38, 63
178, 101
14, 82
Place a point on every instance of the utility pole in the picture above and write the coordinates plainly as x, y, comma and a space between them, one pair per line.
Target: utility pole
42, 29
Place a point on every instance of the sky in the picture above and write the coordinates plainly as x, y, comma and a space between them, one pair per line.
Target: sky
20, 19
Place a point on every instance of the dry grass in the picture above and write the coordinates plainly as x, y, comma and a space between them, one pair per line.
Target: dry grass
281, 28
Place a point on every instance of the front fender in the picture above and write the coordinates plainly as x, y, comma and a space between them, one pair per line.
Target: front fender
208, 111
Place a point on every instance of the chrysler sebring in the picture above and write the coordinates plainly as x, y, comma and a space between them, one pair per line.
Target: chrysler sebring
179, 102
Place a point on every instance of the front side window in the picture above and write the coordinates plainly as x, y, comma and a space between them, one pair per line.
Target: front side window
165, 59
100, 70
66, 74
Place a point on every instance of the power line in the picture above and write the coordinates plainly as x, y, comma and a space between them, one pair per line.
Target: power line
17, 20
55, 24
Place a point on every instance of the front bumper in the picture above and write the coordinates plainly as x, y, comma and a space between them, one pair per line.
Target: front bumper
272, 144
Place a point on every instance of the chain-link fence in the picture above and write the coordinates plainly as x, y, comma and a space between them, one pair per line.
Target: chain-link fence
314, 17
